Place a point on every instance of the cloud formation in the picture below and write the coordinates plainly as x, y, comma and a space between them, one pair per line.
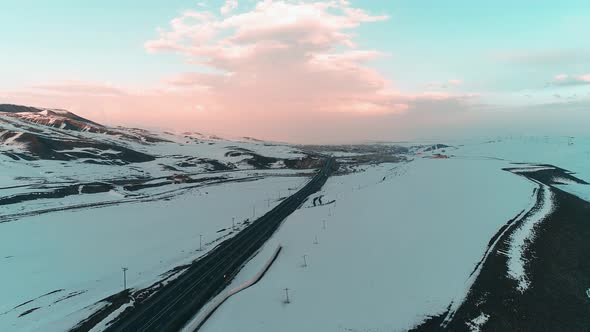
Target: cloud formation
571, 80
283, 56
286, 70
79, 88
228, 7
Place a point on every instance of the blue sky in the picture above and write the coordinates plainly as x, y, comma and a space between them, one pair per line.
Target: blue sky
93, 40
506, 52
465, 39
427, 39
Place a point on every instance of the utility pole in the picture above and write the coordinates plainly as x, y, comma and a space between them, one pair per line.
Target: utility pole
316, 240
304, 261
253, 211
124, 278
233, 224
324, 226
287, 295
200, 242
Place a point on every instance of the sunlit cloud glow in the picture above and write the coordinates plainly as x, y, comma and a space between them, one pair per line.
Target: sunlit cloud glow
310, 71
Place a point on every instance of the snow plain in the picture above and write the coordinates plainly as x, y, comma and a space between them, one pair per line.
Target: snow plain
571, 153
84, 250
60, 255
400, 243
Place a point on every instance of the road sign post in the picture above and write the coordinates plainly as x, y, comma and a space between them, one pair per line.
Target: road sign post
124, 278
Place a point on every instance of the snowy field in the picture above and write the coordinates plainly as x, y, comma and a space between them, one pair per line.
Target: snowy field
83, 251
400, 242
570, 153
79, 201
393, 251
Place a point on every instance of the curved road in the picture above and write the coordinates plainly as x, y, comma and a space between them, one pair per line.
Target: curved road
173, 306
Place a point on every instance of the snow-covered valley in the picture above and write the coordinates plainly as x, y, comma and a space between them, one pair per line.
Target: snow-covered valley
401, 235
402, 242
72, 219
392, 251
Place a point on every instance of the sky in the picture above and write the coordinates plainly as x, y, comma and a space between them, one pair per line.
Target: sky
305, 71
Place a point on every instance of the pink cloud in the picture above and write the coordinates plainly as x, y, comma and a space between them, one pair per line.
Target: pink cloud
387, 116
282, 70
565, 79
280, 56
79, 87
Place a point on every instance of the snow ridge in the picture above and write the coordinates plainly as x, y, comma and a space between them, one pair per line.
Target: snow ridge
524, 234
476, 324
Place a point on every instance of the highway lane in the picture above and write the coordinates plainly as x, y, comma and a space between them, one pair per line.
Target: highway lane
174, 305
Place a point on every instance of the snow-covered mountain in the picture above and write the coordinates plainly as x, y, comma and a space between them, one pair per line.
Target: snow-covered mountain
28, 133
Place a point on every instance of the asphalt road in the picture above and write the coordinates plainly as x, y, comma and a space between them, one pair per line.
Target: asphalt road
173, 306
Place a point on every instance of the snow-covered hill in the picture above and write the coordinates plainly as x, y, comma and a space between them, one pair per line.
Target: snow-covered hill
398, 235
51, 154
79, 200
29, 133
